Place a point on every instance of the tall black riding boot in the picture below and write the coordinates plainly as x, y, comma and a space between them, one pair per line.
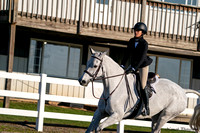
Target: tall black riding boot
145, 98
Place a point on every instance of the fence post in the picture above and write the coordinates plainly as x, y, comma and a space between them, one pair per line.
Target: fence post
41, 103
143, 10
120, 127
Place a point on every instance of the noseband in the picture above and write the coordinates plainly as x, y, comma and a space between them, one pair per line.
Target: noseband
94, 76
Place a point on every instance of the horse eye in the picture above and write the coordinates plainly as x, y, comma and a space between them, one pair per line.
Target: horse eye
95, 66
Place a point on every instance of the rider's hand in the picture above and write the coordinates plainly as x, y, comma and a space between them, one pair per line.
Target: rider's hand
130, 70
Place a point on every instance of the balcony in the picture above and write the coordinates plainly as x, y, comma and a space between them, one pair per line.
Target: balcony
169, 25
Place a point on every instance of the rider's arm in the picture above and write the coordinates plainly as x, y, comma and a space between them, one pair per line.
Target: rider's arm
142, 55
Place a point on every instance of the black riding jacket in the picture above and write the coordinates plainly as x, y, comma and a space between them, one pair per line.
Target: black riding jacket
138, 56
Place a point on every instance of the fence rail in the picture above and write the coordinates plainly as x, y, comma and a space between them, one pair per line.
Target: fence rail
42, 97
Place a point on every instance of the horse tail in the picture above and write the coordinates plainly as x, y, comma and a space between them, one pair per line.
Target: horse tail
192, 91
195, 119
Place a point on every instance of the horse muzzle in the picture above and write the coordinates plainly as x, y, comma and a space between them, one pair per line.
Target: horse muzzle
82, 82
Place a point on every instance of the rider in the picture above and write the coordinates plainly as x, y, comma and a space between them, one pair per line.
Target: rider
136, 52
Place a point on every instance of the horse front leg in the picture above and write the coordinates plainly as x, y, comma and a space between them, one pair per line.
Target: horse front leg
114, 118
98, 115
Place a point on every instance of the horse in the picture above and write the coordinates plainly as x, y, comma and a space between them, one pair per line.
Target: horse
121, 98
195, 119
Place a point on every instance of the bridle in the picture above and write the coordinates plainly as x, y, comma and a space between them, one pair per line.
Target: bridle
94, 77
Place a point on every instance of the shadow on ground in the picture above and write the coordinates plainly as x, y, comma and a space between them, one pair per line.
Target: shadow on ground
53, 128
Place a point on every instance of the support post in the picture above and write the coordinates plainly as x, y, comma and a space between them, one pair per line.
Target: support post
79, 25
143, 10
198, 40
15, 11
41, 103
11, 45
120, 127
10, 60
10, 11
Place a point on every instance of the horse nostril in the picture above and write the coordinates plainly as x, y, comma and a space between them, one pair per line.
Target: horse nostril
83, 82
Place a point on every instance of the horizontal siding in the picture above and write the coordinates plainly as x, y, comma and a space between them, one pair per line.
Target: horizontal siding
2, 84
66, 90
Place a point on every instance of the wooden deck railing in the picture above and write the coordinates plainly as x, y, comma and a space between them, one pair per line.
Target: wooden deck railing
172, 20
8, 11
166, 20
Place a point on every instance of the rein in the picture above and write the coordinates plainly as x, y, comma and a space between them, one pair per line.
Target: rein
107, 78
94, 77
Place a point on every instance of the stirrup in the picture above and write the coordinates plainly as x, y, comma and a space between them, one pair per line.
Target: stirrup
145, 112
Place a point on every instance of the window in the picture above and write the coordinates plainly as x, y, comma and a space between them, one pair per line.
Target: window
177, 70
152, 67
103, 1
35, 56
168, 68
54, 59
186, 2
185, 73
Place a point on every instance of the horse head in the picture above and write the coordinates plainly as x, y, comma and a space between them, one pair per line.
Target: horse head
93, 68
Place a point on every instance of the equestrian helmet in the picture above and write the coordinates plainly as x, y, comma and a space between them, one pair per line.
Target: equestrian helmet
140, 26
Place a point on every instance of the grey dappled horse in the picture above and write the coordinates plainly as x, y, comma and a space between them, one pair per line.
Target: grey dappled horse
118, 102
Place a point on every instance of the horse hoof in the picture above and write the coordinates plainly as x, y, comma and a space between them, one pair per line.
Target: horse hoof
88, 132
98, 129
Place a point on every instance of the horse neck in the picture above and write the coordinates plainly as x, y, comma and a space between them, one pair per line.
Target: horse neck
111, 68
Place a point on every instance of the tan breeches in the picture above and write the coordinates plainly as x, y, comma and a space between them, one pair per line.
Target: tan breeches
144, 75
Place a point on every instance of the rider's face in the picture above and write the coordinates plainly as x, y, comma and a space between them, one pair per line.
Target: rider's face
138, 33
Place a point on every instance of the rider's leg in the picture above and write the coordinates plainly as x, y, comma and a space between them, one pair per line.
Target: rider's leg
143, 78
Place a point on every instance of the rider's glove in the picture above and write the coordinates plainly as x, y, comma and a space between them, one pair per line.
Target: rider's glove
130, 70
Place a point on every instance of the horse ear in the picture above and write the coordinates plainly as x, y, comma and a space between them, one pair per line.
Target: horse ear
104, 53
92, 51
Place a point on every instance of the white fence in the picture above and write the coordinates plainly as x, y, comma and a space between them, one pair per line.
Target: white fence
40, 114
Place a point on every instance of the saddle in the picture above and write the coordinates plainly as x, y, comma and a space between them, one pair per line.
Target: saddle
152, 79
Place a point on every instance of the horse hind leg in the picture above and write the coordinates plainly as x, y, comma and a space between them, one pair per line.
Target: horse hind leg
163, 118
154, 121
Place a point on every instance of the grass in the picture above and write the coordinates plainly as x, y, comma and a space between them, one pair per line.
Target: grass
51, 108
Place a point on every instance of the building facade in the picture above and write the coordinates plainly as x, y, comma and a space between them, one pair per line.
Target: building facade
54, 37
